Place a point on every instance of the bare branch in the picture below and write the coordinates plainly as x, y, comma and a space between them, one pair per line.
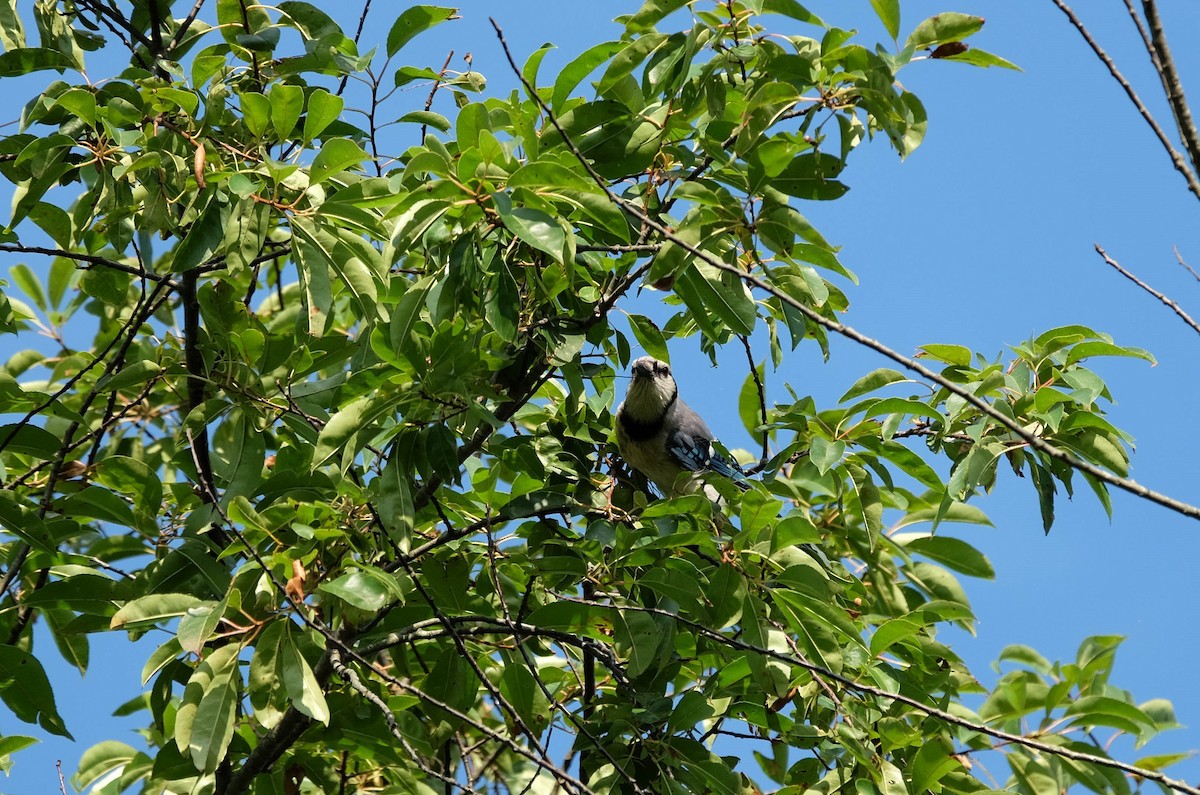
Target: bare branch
1183, 262
1172, 85
1167, 301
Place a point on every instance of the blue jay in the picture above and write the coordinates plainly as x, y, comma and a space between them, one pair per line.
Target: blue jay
661, 437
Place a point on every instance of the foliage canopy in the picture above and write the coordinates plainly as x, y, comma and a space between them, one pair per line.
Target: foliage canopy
341, 434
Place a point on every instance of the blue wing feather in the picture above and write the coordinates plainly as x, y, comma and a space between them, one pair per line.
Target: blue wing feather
697, 454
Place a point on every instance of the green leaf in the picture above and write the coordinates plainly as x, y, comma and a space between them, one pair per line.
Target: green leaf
534, 227
810, 176
101, 758
12, 37
202, 240
30, 440
651, 13
23, 276
135, 374
983, 58
413, 21
303, 689
323, 109
427, 118
889, 14
367, 589
197, 625
580, 67
343, 427
957, 355
314, 23
33, 59
1086, 350
146, 611
25, 689
650, 337
256, 112
941, 28
530, 70
791, 8
891, 632
287, 103
952, 552
336, 155
876, 379
212, 721
1160, 761
80, 103
318, 251
825, 454
521, 688
623, 64
708, 291
164, 654
1106, 711
637, 636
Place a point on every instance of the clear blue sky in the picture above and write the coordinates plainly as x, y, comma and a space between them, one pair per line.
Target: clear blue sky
983, 237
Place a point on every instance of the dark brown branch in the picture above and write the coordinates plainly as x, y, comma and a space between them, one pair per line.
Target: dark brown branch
156, 40
177, 39
1174, 307
762, 398
362, 21
433, 91
1172, 85
197, 380
91, 259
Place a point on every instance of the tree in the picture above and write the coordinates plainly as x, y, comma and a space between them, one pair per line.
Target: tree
342, 432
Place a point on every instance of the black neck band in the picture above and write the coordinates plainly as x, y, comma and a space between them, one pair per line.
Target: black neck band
641, 430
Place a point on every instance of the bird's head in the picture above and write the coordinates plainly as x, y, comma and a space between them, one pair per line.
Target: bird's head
652, 389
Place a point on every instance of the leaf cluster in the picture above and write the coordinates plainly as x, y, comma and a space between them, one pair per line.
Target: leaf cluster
340, 437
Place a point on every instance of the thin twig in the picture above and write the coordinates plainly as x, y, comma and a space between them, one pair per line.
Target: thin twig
1174, 307
1182, 262
1033, 440
436, 85
762, 398
362, 21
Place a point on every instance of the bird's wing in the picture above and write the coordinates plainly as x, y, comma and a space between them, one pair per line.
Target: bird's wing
696, 454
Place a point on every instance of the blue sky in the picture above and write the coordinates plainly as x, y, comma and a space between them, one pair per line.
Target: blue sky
982, 237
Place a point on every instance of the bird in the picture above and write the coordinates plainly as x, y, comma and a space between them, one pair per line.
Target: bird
663, 438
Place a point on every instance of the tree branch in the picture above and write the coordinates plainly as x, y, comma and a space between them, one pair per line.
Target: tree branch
1172, 85
91, 259
1174, 307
